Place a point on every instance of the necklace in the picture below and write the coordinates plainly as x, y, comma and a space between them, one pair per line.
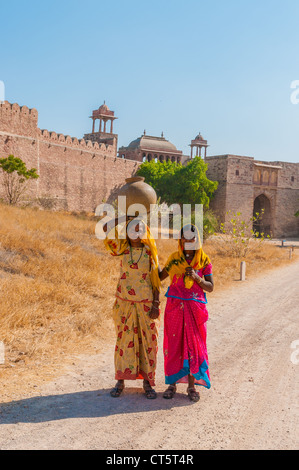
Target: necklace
131, 252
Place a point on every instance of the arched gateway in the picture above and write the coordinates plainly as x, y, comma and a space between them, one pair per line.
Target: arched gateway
262, 206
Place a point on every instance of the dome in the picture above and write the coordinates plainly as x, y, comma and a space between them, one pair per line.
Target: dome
199, 137
103, 108
154, 144
102, 111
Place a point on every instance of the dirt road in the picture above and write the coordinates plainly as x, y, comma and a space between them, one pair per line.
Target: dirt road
253, 402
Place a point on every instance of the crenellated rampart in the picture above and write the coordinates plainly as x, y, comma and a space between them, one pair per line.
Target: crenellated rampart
73, 142
75, 174
18, 119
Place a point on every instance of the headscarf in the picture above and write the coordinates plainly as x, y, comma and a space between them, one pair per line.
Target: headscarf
118, 246
177, 264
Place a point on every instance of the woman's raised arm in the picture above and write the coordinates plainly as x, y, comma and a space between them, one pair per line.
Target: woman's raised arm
113, 223
163, 274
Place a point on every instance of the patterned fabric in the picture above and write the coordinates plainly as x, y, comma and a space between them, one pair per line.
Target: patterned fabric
118, 246
185, 332
137, 334
178, 289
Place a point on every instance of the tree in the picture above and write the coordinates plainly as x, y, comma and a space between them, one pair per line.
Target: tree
179, 184
194, 186
15, 177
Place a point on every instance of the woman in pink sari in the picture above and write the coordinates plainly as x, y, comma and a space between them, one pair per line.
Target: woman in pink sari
185, 332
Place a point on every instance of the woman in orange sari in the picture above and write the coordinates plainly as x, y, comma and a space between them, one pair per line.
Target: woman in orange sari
136, 308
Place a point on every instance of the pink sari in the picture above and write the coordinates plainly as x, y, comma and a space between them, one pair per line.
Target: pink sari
185, 333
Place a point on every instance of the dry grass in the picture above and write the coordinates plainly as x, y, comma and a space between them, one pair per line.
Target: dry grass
263, 257
57, 288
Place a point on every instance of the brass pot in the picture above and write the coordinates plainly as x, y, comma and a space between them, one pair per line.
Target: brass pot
138, 192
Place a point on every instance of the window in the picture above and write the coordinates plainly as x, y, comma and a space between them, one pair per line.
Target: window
265, 177
257, 176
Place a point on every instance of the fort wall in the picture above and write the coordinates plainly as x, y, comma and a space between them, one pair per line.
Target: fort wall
79, 174
76, 174
243, 181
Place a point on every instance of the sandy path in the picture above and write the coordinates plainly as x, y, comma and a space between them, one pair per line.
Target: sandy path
253, 402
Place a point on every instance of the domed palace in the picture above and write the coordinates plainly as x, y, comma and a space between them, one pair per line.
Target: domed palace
147, 148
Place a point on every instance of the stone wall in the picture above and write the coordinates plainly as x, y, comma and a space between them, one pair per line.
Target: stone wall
287, 202
243, 179
74, 173
78, 174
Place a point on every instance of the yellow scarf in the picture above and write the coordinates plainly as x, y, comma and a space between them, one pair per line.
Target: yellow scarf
117, 247
177, 264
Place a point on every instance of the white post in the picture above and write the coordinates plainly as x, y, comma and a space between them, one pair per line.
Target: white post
243, 271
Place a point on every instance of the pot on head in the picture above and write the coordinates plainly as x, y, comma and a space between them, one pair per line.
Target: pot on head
138, 192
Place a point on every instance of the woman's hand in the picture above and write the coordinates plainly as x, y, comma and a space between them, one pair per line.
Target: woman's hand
191, 273
205, 284
155, 311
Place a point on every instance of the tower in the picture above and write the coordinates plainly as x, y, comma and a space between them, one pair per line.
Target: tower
103, 135
104, 115
198, 143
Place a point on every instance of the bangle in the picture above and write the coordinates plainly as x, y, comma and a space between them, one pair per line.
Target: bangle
157, 301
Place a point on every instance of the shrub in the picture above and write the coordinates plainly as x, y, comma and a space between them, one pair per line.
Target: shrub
15, 176
238, 235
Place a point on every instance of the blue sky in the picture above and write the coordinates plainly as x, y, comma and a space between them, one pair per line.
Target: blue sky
182, 67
